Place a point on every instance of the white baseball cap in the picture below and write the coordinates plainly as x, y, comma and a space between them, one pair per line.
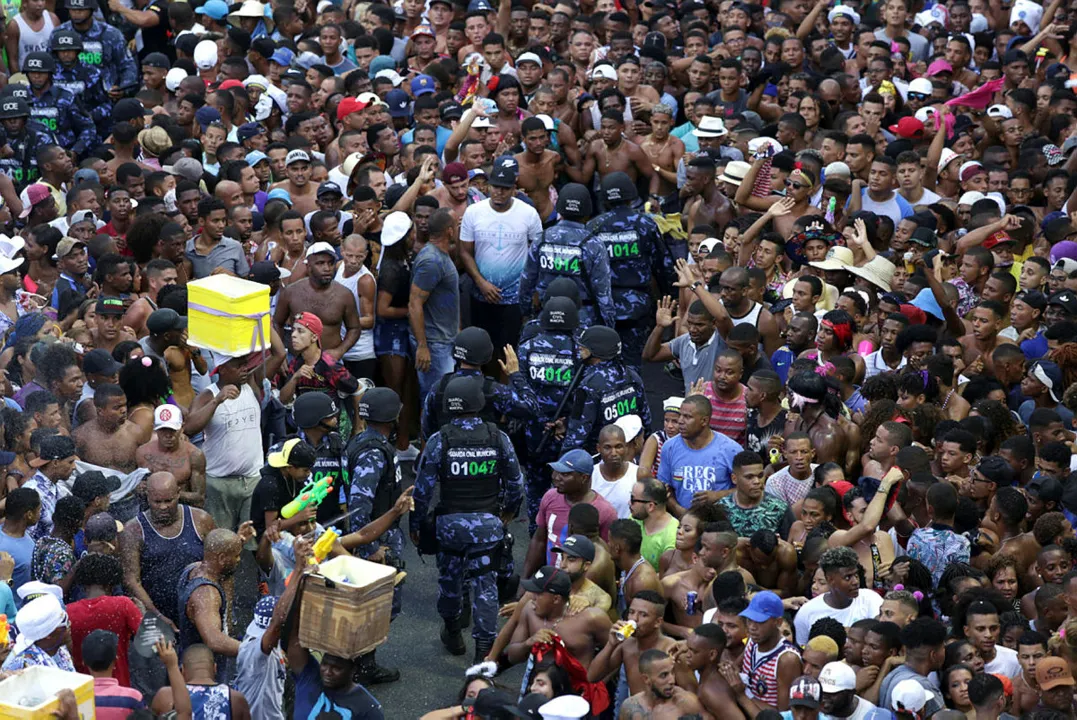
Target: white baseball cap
394, 228
972, 196
529, 57
174, 77
837, 677
296, 156
391, 75
604, 71
205, 55
999, 111
167, 416
947, 157
921, 85
321, 247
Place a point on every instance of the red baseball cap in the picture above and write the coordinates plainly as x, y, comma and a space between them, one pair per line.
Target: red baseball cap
908, 127
229, 84
310, 321
454, 172
348, 106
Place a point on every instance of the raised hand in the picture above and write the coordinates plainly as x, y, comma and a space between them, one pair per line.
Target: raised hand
665, 316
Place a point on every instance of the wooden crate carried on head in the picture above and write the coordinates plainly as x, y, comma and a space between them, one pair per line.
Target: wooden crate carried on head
346, 607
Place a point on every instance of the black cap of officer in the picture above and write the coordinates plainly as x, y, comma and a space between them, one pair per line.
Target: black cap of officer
16, 90
13, 107
574, 202
463, 395
603, 342
311, 408
380, 404
563, 287
559, 313
65, 40
618, 188
39, 62
473, 346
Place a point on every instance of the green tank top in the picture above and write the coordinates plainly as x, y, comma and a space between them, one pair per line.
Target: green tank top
654, 545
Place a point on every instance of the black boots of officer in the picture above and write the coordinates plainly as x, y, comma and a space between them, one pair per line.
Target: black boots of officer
452, 636
369, 672
482, 649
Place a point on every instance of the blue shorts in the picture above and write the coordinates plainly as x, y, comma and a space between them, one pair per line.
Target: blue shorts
391, 338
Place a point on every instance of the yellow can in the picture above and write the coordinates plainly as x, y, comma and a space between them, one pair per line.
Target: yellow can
627, 630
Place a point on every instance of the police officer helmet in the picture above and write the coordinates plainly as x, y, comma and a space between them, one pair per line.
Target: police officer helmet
39, 62
559, 313
574, 202
473, 346
311, 408
13, 107
65, 40
603, 342
618, 188
463, 396
16, 90
563, 287
380, 405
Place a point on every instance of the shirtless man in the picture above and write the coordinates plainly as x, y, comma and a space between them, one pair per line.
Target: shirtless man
302, 191
544, 102
1031, 650
170, 451
663, 150
636, 574
539, 166
704, 203
583, 520
801, 184
109, 439
630, 82
1052, 564
547, 615
1003, 515
702, 654
331, 302
453, 191
646, 613
612, 152
681, 556
676, 587
826, 434
660, 699
717, 548
986, 319
771, 560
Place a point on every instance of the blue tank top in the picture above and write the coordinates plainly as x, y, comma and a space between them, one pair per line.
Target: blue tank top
210, 702
185, 587
163, 559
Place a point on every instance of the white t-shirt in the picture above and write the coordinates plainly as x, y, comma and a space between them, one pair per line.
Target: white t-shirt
260, 677
865, 606
1005, 662
501, 241
233, 444
619, 493
927, 198
863, 709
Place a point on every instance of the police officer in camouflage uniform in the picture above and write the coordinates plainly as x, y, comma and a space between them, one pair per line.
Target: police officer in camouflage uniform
558, 287
481, 490
317, 416
103, 46
636, 253
376, 485
56, 108
85, 82
23, 136
548, 360
472, 349
607, 390
569, 249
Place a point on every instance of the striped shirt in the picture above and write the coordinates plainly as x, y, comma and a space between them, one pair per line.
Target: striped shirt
759, 670
114, 701
728, 418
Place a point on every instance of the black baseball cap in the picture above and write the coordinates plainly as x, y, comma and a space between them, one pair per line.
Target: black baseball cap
157, 60
127, 109
165, 320
93, 484
100, 362
265, 272
54, 447
548, 579
1033, 298
110, 306
577, 546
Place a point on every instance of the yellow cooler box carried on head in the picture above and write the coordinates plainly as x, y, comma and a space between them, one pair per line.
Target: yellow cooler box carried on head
31, 695
346, 606
228, 315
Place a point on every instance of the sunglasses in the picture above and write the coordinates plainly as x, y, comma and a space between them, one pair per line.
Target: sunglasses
918, 96
793, 185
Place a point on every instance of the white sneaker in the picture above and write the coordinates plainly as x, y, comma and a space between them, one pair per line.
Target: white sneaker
409, 455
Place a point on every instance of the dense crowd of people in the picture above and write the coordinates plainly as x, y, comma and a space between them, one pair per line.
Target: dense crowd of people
760, 320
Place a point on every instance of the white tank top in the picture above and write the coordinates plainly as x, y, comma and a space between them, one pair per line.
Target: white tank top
233, 444
31, 40
751, 317
363, 349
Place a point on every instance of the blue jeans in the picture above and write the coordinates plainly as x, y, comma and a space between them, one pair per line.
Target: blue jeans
441, 364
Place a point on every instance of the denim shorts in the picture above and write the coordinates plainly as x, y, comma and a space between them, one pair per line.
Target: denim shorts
391, 338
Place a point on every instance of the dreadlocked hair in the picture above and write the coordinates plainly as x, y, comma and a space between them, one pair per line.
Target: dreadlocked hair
923, 418
1065, 356
878, 412
1000, 417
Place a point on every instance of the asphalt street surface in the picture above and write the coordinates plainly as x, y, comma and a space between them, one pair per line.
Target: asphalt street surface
430, 676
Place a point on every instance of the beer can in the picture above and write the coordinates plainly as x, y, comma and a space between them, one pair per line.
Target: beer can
690, 599
627, 630
775, 456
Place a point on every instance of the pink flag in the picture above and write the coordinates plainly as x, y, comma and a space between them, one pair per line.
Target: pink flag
979, 98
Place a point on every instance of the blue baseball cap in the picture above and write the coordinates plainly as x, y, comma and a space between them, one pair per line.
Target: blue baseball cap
578, 461
421, 85
255, 156
207, 115
925, 300
764, 606
399, 103
283, 57
216, 9
381, 62
482, 5
280, 194
248, 130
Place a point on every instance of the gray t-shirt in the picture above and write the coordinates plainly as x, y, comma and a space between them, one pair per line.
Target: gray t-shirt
227, 254
696, 362
904, 672
433, 271
917, 43
260, 678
